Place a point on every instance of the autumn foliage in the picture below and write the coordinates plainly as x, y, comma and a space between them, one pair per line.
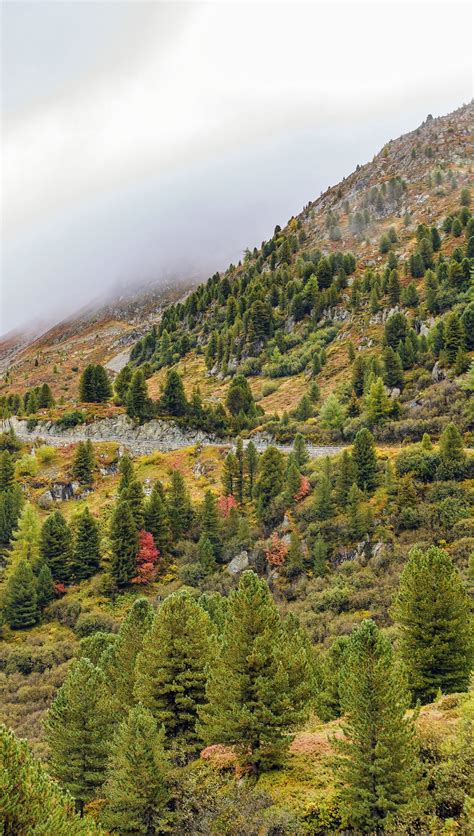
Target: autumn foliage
277, 551
147, 558
303, 490
225, 505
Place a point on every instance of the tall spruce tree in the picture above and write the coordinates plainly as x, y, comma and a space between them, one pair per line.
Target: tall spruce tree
7, 470
239, 476
44, 586
78, 730
171, 669
179, 506
118, 662
210, 524
83, 464
56, 546
377, 763
85, 559
452, 454
270, 478
127, 473
137, 790
20, 599
124, 537
156, 519
365, 460
134, 496
173, 400
138, 402
258, 689
345, 477
432, 610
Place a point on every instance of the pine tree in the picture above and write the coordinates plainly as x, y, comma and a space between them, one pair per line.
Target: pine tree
377, 403
377, 765
258, 689
206, 553
31, 801
251, 461
270, 478
173, 400
453, 337
101, 384
229, 474
122, 383
179, 506
323, 504
432, 609
134, 496
20, 599
239, 397
11, 503
299, 450
156, 519
26, 537
44, 587
171, 669
393, 369
127, 473
365, 460
56, 546
124, 537
320, 554
393, 288
7, 471
345, 477
86, 547
239, 477
452, 454
332, 414
210, 528
78, 729
45, 397
137, 790
83, 463
328, 700
138, 402
87, 385
119, 660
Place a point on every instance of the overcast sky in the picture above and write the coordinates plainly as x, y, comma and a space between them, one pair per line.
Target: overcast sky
146, 140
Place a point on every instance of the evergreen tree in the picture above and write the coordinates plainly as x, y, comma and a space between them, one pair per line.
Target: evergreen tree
156, 519
239, 478
20, 599
355, 513
134, 496
56, 546
173, 400
86, 548
26, 537
251, 461
393, 369
345, 477
78, 728
320, 554
171, 669
453, 337
7, 470
137, 793
332, 414
101, 384
258, 690
365, 460
31, 801
377, 764
127, 473
210, 523
299, 450
328, 700
323, 504
138, 402
270, 478
432, 609
239, 397
393, 288
118, 662
229, 474
124, 537
122, 383
452, 454
377, 403
206, 552
179, 506
83, 463
11, 503
45, 397
44, 587
87, 385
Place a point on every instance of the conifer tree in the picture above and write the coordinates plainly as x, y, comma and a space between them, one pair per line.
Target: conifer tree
355, 513
270, 478
393, 368
171, 669
345, 477
299, 450
137, 790
87, 385
6, 470
323, 504
377, 403
453, 337
124, 537
118, 662
101, 384
320, 554
432, 609
179, 506
11, 502
173, 400
45, 397
328, 700
156, 519
56, 546
138, 402
83, 465
365, 460
78, 729
206, 553
127, 473
239, 477
31, 801
210, 528
294, 562
251, 461
377, 763
86, 547
258, 689
393, 288
229, 474
122, 383
44, 587
26, 537
452, 454
20, 599
134, 496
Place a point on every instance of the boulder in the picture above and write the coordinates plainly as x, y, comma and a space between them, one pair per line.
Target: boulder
238, 563
437, 373
46, 500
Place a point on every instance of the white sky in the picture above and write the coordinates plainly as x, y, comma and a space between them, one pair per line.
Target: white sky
148, 139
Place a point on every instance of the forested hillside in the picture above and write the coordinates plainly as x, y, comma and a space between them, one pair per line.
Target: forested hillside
252, 634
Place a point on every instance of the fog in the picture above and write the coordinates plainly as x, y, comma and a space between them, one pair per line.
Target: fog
143, 141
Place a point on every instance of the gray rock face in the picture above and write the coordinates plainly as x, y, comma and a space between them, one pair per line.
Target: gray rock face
437, 373
238, 563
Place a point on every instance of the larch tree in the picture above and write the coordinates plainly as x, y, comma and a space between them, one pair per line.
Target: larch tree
137, 790
171, 669
432, 611
377, 764
26, 537
258, 689
78, 730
